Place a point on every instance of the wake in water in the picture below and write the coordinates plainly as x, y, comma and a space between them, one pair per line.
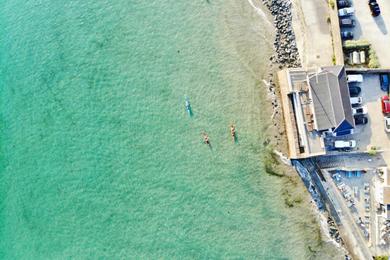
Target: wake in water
261, 13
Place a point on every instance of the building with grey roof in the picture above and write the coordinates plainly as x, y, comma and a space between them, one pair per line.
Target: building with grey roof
315, 101
331, 100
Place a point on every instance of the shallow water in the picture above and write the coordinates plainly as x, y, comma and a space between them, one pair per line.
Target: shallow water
100, 159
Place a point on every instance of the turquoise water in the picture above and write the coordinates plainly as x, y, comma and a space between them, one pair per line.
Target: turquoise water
98, 156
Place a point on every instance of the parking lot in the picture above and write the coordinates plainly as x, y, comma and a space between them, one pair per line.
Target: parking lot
373, 133
373, 29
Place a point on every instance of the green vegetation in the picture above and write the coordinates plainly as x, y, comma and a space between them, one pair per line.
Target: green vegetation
373, 59
358, 45
362, 45
373, 150
332, 4
381, 257
334, 59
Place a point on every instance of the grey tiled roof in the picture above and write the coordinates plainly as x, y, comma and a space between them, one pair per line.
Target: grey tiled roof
330, 94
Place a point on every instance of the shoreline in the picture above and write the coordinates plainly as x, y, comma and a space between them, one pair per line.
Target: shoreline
287, 55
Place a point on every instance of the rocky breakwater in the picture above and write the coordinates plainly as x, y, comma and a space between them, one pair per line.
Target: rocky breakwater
285, 56
286, 51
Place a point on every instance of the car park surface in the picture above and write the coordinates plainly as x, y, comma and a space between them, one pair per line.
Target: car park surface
373, 133
374, 29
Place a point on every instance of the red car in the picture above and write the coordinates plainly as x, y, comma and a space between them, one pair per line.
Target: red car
385, 104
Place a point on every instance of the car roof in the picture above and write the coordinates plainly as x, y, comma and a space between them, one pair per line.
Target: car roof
386, 104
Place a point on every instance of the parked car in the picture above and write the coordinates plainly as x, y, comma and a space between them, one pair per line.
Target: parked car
345, 144
384, 79
360, 120
360, 110
346, 11
347, 22
354, 91
385, 104
356, 101
346, 35
387, 124
343, 3
355, 78
374, 7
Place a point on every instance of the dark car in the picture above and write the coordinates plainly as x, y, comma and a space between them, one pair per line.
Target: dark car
343, 3
360, 120
354, 91
384, 79
347, 22
346, 35
374, 7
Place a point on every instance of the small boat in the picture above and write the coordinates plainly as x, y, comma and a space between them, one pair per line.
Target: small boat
188, 106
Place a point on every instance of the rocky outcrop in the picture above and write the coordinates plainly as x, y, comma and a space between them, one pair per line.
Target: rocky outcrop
286, 51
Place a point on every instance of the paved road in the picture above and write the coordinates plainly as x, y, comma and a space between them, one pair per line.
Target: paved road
352, 234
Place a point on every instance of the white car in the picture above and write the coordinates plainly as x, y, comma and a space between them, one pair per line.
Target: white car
346, 11
345, 144
356, 101
359, 110
387, 124
355, 78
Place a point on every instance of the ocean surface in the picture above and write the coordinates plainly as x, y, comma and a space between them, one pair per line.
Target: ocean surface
98, 157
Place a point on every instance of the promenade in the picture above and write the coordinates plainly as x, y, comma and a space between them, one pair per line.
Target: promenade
312, 32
